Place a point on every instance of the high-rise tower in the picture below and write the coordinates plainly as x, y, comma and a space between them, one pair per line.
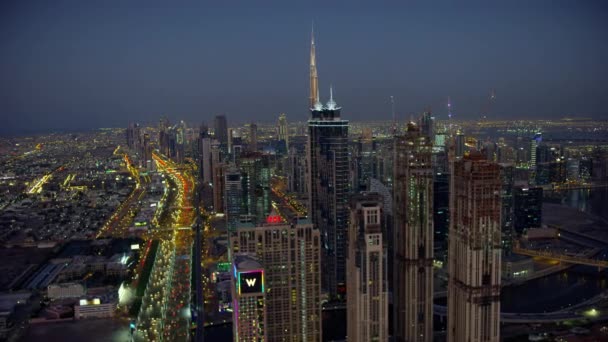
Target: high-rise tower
290, 254
328, 181
249, 315
253, 137
413, 237
283, 130
220, 126
474, 251
367, 295
314, 80
233, 197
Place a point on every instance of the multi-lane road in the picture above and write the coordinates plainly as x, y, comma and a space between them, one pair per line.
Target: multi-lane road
165, 310
118, 224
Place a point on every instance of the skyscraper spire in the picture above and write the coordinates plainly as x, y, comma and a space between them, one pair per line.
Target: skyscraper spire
314, 81
331, 104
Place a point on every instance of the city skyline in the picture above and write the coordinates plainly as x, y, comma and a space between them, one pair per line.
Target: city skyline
132, 64
337, 224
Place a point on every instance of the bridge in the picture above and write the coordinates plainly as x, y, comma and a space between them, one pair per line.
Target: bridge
157, 229
595, 245
571, 259
548, 317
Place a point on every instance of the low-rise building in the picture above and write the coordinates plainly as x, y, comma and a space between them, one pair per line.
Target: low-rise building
93, 309
65, 290
517, 267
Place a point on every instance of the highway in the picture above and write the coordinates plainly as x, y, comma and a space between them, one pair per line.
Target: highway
118, 224
165, 310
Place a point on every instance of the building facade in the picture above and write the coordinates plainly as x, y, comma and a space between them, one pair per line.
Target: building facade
329, 188
328, 180
220, 126
248, 300
474, 251
291, 256
413, 236
283, 130
233, 197
527, 208
367, 295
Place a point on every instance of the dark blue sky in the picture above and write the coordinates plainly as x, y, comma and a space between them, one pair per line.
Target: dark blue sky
85, 64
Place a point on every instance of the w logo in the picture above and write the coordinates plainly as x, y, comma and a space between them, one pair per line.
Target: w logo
250, 282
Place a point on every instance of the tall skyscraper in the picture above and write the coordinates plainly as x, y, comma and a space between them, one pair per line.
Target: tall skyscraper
314, 80
413, 236
328, 180
291, 256
474, 251
205, 161
249, 315
133, 136
253, 137
283, 130
217, 177
367, 295
527, 208
233, 197
295, 170
427, 125
365, 161
534, 143
459, 142
507, 180
255, 176
220, 126
329, 188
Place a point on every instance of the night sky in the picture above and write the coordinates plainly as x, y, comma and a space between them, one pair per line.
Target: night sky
67, 65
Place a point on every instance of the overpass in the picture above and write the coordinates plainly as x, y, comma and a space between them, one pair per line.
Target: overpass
509, 317
571, 259
505, 317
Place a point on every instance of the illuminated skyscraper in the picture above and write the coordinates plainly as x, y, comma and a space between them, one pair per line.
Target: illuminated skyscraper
413, 237
527, 208
328, 180
367, 295
253, 137
460, 147
365, 161
133, 136
427, 125
255, 177
507, 179
534, 143
217, 177
178, 153
221, 131
233, 197
248, 300
314, 80
474, 251
283, 130
295, 169
329, 188
205, 155
291, 256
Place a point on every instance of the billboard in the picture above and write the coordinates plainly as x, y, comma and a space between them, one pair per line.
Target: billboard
251, 282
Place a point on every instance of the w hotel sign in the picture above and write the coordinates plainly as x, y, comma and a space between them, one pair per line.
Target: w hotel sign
251, 281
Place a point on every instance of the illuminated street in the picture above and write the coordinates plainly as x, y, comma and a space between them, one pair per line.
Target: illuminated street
165, 310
